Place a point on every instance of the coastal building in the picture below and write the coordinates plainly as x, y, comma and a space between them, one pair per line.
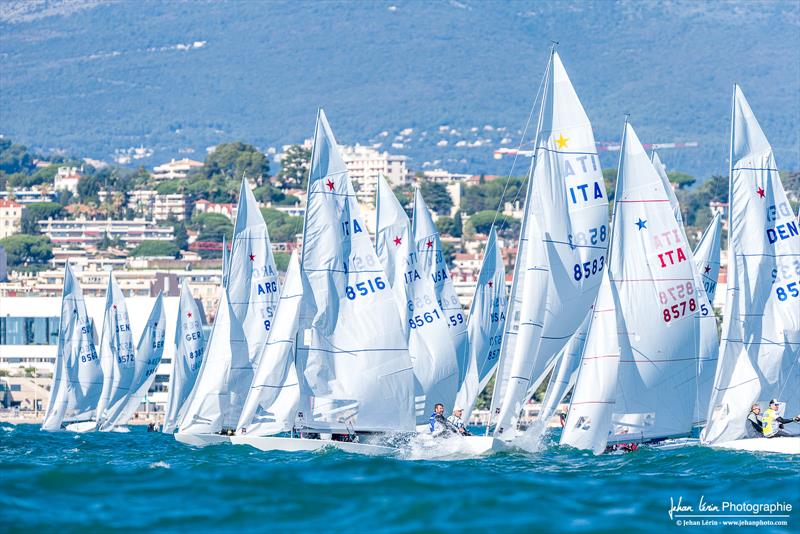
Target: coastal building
67, 178
365, 164
175, 169
204, 206
28, 196
443, 177
10, 217
82, 232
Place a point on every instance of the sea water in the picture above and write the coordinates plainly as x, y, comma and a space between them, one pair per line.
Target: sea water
141, 481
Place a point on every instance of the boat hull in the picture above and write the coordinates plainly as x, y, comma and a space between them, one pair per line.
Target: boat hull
201, 440
81, 427
790, 445
272, 443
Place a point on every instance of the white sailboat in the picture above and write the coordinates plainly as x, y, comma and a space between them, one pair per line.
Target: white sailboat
247, 309
271, 404
637, 377
760, 351
353, 363
149, 351
425, 324
561, 253
77, 377
190, 346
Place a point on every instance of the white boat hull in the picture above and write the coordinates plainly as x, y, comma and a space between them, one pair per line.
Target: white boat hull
81, 427
201, 440
272, 443
790, 445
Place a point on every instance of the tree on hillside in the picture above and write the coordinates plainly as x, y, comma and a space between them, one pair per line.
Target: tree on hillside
88, 188
154, 248
482, 222
15, 158
487, 196
680, 179
24, 249
231, 161
436, 196
270, 193
38, 211
181, 235
212, 226
282, 228
294, 167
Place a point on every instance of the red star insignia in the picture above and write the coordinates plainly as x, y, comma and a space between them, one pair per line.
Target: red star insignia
397, 241
491, 283
114, 306
329, 184
760, 192
430, 243
188, 314
708, 268
252, 257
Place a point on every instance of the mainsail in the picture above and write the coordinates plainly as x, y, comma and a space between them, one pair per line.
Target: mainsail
117, 353
425, 324
761, 326
662, 173
189, 348
77, 376
148, 357
487, 316
226, 260
353, 364
562, 248
640, 385
271, 403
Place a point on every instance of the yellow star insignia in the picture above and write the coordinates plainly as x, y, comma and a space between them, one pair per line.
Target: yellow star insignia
561, 142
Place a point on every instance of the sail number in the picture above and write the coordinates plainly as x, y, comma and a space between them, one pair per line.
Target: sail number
125, 358
676, 292
421, 320
791, 290
593, 236
588, 268
91, 356
365, 288
678, 310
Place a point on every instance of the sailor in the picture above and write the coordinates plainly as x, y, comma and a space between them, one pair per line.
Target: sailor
456, 422
437, 421
773, 423
754, 427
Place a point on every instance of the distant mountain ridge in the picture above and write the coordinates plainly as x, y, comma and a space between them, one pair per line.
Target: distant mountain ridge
445, 83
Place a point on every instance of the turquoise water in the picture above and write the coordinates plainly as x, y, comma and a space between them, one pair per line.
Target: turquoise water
144, 480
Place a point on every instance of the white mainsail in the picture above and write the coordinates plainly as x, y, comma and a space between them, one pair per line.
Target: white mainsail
149, 351
117, 353
761, 325
562, 249
425, 324
77, 376
226, 260
487, 317
564, 373
353, 364
271, 404
431, 263
706, 262
645, 387
189, 348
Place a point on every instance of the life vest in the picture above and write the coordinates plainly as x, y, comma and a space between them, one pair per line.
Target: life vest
767, 422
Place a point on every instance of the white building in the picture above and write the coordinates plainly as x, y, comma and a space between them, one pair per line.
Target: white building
175, 169
365, 164
10, 217
226, 209
445, 177
82, 232
28, 196
174, 205
67, 178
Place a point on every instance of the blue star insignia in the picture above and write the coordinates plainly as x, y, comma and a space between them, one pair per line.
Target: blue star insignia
641, 223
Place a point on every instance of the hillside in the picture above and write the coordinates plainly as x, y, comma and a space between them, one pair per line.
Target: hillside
92, 77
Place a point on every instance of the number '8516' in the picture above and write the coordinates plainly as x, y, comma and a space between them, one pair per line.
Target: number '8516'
365, 288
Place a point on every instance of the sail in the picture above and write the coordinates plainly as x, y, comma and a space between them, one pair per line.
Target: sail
562, 251
425, 325
706, 261
431, 263
189, 347
117, 353
77, 376
589, 416
662, 173
564, 373
211, 407
271, 403
226, 260
487, 316
354, 364
148, 357
760, 348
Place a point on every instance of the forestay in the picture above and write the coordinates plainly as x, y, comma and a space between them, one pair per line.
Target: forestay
148, 357
353, 364
761, 327
271, 403
189, 348
425, 324
562, 249
77, 375
487, 316
117, 353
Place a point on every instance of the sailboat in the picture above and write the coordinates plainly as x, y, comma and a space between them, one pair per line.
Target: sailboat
562, 249
353, 363
149, 351
760, 353
638, 372
425, 324
189, 348
246, 313
77, 377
